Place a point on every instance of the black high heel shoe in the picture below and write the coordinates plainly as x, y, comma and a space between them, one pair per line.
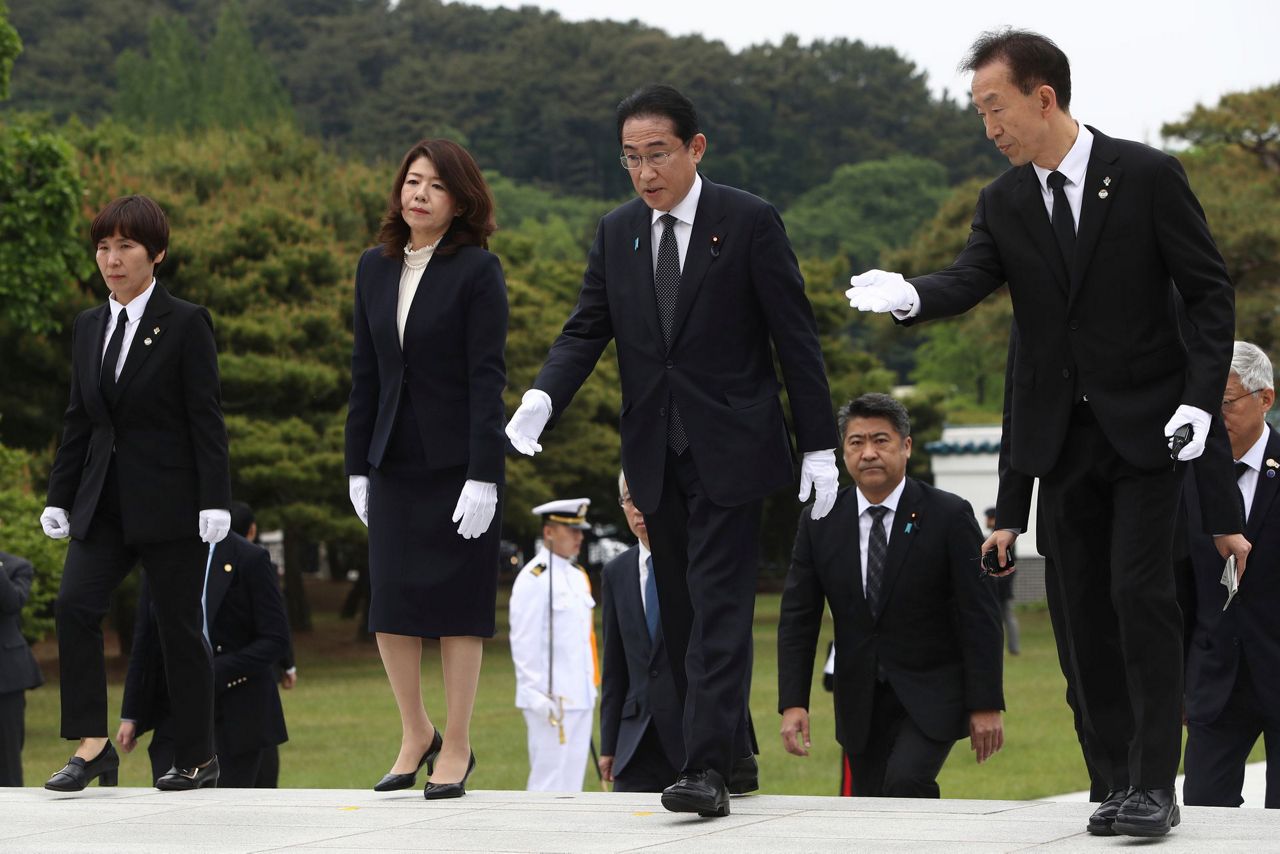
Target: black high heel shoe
440, 791
395, 782
78, 773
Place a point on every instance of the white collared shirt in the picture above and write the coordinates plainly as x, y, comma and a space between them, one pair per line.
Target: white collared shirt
133, 316
1074, 167
684, 212
644, 575
1248, 482
864, 522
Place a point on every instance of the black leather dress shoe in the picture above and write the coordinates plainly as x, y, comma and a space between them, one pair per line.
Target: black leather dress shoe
77, 773
1148, 812
440, 791
185, 779
1100, 823
703, 792
744, 776
395, 782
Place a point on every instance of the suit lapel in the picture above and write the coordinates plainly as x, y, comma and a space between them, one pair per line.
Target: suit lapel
151, 326
631, 607
221, 571
88, 361
707, 224
1265, 492
906, 524
383, 297
1030, 202
639, 245
841, 543
1102, 177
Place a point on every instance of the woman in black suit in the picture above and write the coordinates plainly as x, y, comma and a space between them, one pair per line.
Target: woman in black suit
425, 445
141, 476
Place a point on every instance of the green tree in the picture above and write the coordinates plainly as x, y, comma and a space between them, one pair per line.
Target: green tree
1249, 121
20, 534
10, 47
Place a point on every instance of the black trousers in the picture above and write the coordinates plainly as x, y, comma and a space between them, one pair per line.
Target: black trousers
94, 568
1217, 751
1108, 527
648, 769
235, 770
269, 769
706, 559
899, 760
13, 707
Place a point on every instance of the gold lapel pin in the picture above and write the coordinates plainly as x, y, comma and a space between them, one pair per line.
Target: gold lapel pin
226, 568
146, 341
155, 331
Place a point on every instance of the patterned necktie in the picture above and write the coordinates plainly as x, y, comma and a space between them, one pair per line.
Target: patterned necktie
651, 613
1064, 224
666, 281
877, 548
107, 377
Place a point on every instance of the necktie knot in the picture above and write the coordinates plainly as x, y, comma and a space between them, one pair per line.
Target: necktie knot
877, 512
1241, 468
1056, 181
668, 221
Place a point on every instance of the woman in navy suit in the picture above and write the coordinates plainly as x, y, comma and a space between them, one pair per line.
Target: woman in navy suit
425, 445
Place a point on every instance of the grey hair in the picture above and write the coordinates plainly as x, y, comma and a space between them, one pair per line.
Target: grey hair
1252, 366
622, 484
875, 405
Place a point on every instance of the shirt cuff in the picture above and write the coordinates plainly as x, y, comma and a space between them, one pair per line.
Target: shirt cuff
899, 314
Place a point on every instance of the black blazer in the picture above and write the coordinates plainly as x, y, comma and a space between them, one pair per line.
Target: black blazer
249, 632
1219, 639
740, 291
451, 366
166, 428
1112, 331
18, 668
636, 685
939, 638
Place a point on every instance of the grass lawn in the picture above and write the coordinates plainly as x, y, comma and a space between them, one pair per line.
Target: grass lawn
344, 731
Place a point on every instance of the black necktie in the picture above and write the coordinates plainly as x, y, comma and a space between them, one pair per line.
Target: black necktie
1064, 224
666, 281
107, 377
651, 613
877, 548
1241, 468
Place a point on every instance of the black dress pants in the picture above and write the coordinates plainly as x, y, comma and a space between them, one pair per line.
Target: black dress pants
648, 769
899, 760
94, 568
235, 770
13, 707
1217, 751
706, 558
1108, 528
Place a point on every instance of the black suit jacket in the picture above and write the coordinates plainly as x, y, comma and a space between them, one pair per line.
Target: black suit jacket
18, 668
166, 428
1111, 330
938, 638
1219, 639
249, 632
636, 685
451, 369
740, 290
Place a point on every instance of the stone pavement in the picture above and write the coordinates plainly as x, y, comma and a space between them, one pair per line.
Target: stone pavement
1254, 790
337, 820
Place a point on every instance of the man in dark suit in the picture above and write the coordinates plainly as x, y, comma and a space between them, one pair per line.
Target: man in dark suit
918, 651
141, 476
18, 669
249, 633
1234, 652
1100, 242
641, 745
698, 286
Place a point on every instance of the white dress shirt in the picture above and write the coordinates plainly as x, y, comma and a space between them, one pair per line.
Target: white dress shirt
644, 575
415, 262
1073, 167
684, 212
1248, 482
133, 316
865, 520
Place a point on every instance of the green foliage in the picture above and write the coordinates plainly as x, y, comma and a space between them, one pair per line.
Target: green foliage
1249, 121
10, 47
21, 534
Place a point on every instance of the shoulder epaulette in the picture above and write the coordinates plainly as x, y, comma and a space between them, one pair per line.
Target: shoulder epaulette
538, 568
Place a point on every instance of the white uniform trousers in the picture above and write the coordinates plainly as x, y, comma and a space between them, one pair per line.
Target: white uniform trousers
556, 767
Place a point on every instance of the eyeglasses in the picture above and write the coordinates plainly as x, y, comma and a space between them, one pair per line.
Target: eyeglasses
624, 500
1227, 404
658, 159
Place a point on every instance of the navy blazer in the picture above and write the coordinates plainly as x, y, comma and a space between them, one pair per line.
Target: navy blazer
741, 298
18, 668
165, 430
249, 632
451, 369
939, 637
1247, 628
636, 685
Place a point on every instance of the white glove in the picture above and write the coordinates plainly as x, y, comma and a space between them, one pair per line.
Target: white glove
358, 489
214, 525
544, 707
55, 523
527, 424
818, 473
1199, 421
475, 508
881, 291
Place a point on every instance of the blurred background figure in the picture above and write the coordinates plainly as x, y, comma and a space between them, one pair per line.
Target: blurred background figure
18, 669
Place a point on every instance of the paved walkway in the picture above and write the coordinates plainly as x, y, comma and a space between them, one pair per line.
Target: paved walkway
1254, 792
334, 820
